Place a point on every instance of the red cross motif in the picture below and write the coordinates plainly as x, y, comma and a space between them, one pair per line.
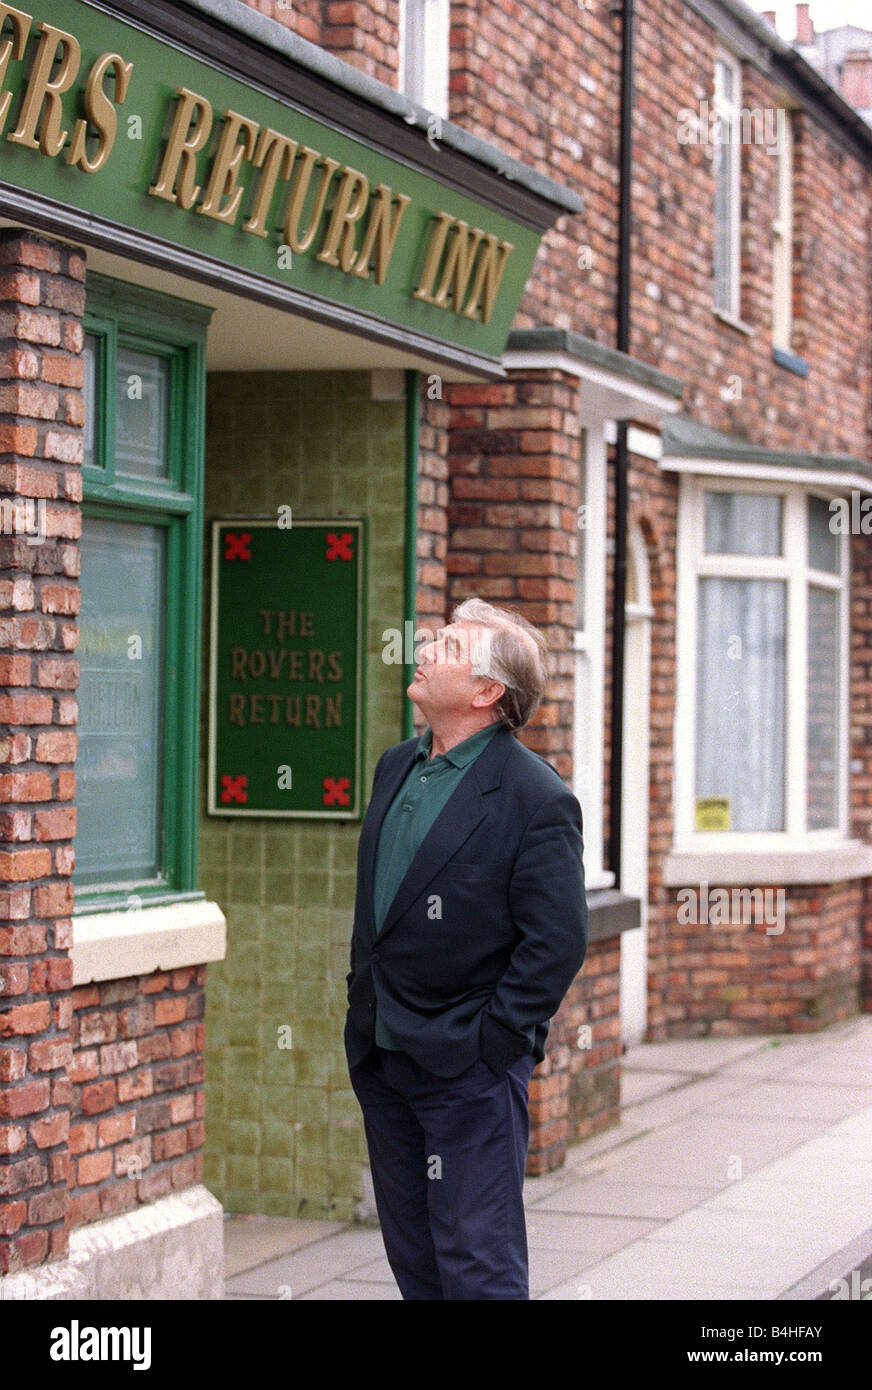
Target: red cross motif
237, 547
339, 547
336, 791
233, 789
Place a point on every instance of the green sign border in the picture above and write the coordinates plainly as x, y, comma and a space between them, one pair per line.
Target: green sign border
344, 813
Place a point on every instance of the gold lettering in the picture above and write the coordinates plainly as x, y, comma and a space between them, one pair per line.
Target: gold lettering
276, 662
293, 237
434, 256
381, 226
276, 153
313, 711
316, 664
345, 214
305, 624
487, 278
257, 665
237, 710
237, 664
12, 47
225, 169
333, 712
295, 666
275, 701
458, 266
255, 709
100, 111
44, 91
184, 143
292, 709
335, 664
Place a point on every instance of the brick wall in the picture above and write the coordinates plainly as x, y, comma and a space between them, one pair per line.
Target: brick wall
41, 413
576, 1091
138, 1098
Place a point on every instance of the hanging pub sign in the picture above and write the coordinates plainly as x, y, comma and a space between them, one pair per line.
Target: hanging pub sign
286, 668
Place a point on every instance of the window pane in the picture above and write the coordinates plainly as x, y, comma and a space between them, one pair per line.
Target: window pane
740, 700
823, 708
142, 414
91, 355
722, 157
823, 544
742, 523
121, 645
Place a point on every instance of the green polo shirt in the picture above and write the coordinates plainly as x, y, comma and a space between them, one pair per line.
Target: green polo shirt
427, 787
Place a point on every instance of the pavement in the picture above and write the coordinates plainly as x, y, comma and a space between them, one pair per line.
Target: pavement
741, 1169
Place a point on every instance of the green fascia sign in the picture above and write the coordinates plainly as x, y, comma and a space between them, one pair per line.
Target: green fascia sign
129, 132
286, 667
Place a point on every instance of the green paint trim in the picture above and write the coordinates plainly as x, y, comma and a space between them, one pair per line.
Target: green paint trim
413, 415
123, 314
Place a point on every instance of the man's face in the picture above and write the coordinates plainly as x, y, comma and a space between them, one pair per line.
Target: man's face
444, 683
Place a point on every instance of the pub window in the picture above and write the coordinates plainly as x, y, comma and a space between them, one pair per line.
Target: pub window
141, 568
763, 648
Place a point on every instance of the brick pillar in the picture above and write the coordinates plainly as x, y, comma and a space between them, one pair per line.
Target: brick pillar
42, 300
514, 459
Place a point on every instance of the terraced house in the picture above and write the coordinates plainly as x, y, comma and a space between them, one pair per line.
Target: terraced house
316, 319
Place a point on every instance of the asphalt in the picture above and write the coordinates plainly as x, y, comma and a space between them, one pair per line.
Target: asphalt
741, 1169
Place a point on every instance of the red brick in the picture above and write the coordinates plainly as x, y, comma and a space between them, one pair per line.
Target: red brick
100, 1096
95, 1167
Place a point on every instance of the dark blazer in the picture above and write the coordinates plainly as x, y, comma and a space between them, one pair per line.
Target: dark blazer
489, 926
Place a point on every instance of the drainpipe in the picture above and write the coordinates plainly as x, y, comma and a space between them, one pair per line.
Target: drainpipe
619, 593
410, 541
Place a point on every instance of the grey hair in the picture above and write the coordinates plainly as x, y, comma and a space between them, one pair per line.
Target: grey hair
505, 656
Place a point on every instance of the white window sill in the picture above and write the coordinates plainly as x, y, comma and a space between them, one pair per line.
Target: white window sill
834, 862
116, 945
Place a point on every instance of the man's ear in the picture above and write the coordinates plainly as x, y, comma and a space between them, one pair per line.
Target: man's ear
490, 693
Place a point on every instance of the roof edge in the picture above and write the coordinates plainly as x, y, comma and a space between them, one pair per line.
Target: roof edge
235, 14
549, 339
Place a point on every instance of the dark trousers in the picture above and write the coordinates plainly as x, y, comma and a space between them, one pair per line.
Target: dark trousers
447, 1158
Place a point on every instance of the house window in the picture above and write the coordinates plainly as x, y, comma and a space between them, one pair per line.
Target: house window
782, 237
424, 53
141, 567
762, 661
589, 659
726, 159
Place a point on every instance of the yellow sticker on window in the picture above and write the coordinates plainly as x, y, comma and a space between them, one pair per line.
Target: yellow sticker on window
713, 813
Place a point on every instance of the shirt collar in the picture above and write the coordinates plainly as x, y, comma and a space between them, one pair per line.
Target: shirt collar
462, 753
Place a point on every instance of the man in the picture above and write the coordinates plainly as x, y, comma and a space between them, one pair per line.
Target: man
470, 924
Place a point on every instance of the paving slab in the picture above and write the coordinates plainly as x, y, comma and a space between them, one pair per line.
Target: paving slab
250, 1240
604, 1197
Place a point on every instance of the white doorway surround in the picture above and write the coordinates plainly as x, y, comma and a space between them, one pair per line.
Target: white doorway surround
636, 761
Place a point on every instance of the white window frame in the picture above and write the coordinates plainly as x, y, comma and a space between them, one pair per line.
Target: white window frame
425, 54
782, 238
588, 724
792, 566
731, 111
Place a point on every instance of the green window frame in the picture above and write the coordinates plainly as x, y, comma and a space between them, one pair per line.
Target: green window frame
120, 317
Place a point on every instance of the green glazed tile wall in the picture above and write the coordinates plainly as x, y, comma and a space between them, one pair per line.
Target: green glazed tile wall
284, 1136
